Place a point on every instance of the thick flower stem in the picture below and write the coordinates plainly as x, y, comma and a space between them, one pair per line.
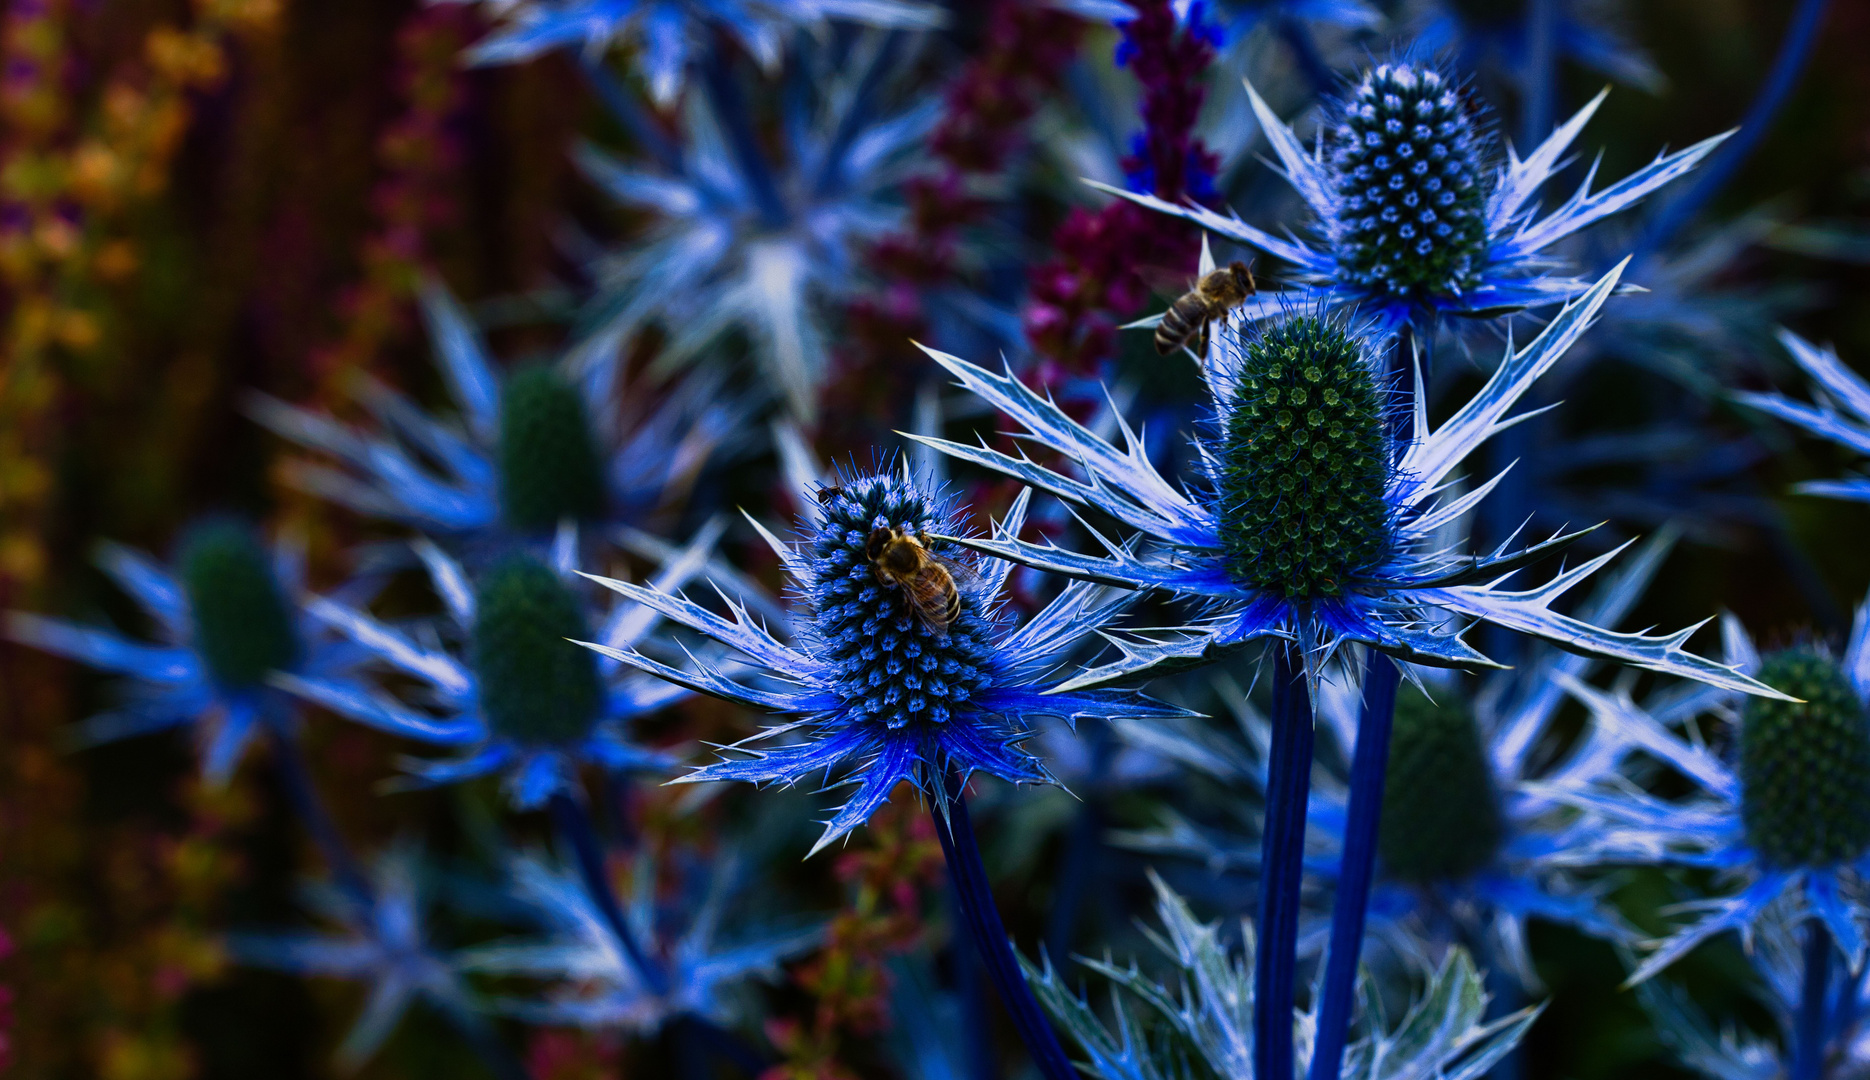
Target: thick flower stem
975, 898
296, 779
1282, 869
1368, 765
1808, 1041
1538, 102
572, 823
1794, 50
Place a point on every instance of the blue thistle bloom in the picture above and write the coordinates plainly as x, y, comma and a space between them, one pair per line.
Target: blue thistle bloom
666, 34
1302, 530
1840, 412
530, 449
1416, 223
228, 621
882, 692
740, 241
596, 985
383, 944
1790, 816
525, 703
1465, 852
1202, 1018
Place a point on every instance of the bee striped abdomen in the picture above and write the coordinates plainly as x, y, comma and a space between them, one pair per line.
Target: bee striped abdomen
1184, 317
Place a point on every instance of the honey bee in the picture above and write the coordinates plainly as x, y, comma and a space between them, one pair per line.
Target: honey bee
828, 493
927, 580
1218, 292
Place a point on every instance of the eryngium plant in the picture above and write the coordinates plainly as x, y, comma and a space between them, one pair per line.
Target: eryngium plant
1199, 1025
1301, 528
879, 690
1414, 219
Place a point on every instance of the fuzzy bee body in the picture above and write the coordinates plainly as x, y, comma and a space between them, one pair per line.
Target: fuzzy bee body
1218, 292
927, 580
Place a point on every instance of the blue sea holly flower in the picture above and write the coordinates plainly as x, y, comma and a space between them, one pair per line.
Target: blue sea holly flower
227, 617
384, 945
896, 672
1840, 412
1788, 816
594, 985
769, 245
523, 702
1200, 1023
1465, 853
666, 34
1302, 528
1415, 220
534, 448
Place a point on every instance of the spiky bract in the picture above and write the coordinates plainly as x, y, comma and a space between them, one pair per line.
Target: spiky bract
893, 665
1441, 812
1304, 463
549, 464
1407, 163
1805, 766
243, 625
535, 685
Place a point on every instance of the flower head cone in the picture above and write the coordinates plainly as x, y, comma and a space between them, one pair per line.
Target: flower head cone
1413, 220
889, 683
229, 620
1785, 817
1302, 528
514, 693
1841, 412
531, 449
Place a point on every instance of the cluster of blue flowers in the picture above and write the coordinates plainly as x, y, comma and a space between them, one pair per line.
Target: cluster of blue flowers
1322, 536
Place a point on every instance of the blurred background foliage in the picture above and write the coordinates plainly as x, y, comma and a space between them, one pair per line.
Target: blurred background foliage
201, 199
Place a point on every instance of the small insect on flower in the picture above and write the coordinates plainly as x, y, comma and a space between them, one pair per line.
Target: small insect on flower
1303, 528
1217, 293
903, 666
927, 581
1414, 220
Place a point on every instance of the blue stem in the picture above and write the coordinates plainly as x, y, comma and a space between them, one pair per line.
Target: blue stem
574, 825
975, 1022
1282, 869
626, 110
975, 897
1794, 50
1808, 1041
1083, 843
1369, 764
1541, 88
296, 779
1298, 38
